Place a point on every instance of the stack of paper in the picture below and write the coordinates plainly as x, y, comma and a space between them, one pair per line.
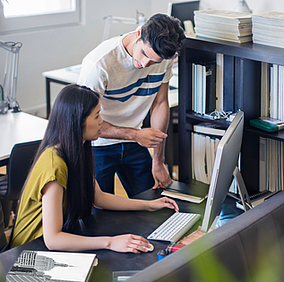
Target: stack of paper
224, 25
268, 29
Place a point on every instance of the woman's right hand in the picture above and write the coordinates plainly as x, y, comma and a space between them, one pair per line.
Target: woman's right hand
128, 243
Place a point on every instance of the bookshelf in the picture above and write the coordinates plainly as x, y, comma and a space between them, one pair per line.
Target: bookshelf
242, 87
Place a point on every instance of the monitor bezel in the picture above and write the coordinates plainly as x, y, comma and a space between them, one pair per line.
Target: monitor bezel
182, 7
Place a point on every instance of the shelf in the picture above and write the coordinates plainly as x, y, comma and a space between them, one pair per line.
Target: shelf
242, 88
197, 118
279, 135
248, 50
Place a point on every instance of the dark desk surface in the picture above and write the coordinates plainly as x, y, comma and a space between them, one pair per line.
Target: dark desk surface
110, 223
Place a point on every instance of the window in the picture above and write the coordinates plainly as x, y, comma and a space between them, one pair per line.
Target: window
18, 15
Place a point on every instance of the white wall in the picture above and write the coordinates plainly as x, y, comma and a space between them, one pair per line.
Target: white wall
257, 6
61, 47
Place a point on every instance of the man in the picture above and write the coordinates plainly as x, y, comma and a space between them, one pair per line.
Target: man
131, 73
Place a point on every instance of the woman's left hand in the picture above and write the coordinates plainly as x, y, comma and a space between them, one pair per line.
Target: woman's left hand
163, 202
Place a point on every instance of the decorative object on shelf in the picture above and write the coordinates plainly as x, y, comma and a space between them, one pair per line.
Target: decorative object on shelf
11, 74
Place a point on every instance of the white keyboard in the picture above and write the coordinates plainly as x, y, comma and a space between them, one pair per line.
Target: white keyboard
174, 227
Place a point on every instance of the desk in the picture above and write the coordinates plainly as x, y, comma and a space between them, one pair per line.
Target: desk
109, 223
17, 128
62, 76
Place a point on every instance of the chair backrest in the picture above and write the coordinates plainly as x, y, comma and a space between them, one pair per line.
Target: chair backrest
21, 159
3, 240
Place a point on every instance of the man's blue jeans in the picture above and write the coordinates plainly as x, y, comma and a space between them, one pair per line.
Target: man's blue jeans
131, 162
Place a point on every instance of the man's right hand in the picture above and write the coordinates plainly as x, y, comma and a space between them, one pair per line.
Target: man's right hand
150, 137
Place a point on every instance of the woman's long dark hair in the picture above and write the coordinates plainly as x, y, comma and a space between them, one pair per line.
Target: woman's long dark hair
65, 128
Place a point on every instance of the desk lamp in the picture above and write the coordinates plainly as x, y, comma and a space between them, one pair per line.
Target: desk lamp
140, 19
10, 75
243, 7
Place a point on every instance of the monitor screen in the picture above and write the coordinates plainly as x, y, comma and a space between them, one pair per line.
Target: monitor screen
183, 10
226, 160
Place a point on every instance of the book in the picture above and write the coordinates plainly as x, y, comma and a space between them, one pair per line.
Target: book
260, 124
210, 87
219, 81
183, 197
52, 266
278, 122
263, 163
209, 128
203, 155
204, 87
265, 95
195, 192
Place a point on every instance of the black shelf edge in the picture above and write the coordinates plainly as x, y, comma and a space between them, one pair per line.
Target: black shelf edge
279, 135
198, 118
248, 50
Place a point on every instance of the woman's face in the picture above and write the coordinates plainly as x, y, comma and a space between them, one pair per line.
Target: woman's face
93, 124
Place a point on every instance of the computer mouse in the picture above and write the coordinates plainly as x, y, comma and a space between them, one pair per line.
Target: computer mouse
150, 249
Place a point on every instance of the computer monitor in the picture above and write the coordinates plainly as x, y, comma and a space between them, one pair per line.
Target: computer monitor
224, 169
184, 11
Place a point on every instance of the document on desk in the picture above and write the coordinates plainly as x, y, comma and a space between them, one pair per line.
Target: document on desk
183, 191
57, 266
183, 197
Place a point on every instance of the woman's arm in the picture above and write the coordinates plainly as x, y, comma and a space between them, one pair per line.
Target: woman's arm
114, 202
55, 239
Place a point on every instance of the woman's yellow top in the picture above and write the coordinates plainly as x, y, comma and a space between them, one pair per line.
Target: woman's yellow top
49, 167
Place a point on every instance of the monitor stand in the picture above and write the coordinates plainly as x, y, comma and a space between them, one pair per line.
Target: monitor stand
242, 190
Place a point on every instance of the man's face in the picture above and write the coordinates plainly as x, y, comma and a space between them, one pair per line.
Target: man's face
143, 55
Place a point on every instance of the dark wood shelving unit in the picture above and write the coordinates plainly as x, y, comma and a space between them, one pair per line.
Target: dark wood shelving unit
242, 85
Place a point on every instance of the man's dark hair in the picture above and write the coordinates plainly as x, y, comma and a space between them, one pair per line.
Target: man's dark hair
164, 34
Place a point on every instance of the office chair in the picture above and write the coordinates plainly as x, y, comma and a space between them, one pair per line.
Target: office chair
20, 161
3, 240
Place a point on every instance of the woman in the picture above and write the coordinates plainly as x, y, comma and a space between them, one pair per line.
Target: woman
60, 188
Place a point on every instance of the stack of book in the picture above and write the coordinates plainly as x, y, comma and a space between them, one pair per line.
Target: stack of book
271, 151
224, 25
204, 88
268, 29
205, 139
203, 153
271, 165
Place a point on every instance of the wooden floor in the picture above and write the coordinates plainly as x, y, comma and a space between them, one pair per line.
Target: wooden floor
118, 188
